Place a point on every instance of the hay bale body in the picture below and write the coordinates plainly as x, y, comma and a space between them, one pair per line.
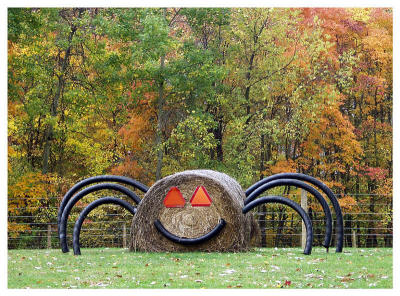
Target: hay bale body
192, 222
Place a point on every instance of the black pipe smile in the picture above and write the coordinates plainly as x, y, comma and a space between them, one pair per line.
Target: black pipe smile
189, 241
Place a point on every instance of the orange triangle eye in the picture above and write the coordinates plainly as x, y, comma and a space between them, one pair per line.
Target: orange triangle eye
174, 199
200, 198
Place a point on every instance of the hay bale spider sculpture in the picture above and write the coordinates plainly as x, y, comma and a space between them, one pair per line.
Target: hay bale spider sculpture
197, 210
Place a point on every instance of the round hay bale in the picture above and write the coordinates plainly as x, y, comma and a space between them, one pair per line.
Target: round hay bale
190, 221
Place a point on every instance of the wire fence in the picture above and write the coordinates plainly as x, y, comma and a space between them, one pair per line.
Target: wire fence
367, 223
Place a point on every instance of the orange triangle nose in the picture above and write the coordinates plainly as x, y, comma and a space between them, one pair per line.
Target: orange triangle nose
200, 198
174, 198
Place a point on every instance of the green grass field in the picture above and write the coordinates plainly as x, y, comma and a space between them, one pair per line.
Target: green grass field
262, 268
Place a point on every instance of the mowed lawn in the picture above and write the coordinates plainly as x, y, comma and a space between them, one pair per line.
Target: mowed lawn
263, 268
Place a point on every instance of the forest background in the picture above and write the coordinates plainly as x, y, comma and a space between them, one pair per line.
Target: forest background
148, 92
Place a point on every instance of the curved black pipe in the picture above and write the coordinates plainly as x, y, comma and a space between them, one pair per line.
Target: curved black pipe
308, 188
96, 179
81, 194
189, 241
88, 209
295, 206
320, 185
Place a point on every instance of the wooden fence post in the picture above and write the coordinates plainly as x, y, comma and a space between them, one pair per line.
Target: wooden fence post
124, 235
354, 238
303, 204
49, 236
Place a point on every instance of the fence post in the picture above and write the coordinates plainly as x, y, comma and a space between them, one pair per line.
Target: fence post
124, 235
49, 236
354, 238
303, 204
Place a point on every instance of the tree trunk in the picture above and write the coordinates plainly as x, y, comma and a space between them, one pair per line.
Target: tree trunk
48, 136
389, 236
281, 223
347, 230
291, 227
248, 87
160, 117
263, 223
218, 133
47, 146
159, 138
371, 237
262, 156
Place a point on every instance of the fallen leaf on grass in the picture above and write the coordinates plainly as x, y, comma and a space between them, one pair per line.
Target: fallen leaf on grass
350, 274
288, 283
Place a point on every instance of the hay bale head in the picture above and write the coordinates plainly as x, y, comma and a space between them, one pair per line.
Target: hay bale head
190, 221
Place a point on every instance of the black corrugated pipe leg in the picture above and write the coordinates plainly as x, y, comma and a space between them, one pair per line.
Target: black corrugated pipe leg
320, 185
299, 184
88, 209
295, 206
80, 195
189, 241
96, 179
